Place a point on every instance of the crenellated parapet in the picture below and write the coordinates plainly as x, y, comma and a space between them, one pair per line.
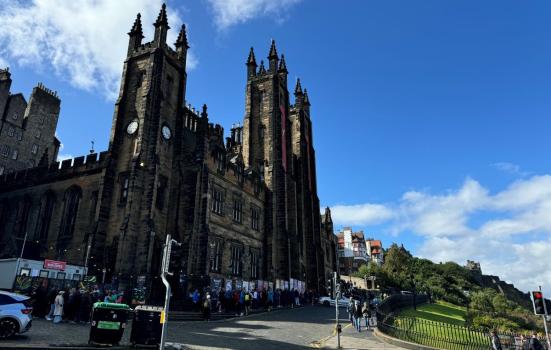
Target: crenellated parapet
68, 168
50, 92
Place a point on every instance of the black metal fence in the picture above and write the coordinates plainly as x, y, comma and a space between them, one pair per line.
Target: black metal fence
437, 334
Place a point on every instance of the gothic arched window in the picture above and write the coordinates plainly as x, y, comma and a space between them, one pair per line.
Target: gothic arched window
22, 217
70, 209
47, 204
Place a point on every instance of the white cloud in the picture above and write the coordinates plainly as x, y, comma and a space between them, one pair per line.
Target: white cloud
510, 168
231, 12
361, 214
509, 232
3, 63
83, 41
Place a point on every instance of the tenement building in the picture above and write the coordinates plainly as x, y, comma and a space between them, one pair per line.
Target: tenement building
244, 207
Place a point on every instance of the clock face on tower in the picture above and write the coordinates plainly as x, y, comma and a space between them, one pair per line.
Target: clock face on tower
167, 133
132, 127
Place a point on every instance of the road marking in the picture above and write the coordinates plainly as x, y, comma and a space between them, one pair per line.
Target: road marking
317, 344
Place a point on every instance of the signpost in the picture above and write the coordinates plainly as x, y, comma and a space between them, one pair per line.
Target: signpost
337, 297
164, 272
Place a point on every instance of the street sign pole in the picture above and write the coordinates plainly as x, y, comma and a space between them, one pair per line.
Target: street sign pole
164, 272
545, 322
337, 297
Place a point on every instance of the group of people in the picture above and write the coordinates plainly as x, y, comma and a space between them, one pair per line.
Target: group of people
71, 305
523, 342
358, 312
241, 301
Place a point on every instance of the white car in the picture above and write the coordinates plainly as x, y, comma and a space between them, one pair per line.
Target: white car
15, 314
327, 301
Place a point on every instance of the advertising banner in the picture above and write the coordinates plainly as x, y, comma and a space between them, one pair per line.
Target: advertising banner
54, 265
229, 285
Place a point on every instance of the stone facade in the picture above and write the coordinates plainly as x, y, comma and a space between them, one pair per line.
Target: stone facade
27, 130
245, 207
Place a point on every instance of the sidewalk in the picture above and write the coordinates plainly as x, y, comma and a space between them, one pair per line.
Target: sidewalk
351, 339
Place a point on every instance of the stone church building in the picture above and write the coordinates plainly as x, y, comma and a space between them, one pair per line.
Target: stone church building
244, 207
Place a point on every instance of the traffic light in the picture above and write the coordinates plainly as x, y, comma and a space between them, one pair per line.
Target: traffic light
538, 302
331, 287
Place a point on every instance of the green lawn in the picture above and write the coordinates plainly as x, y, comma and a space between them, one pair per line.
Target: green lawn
440, 325
439, 312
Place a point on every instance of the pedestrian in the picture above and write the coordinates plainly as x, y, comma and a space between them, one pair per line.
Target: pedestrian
297, 297
241, 302
350, 309
206, 308
51, 300
58, 308
195, 299
496, 343
358, 315
366, 312
221, 301
535, 343
270, 299
85, 306
247, 303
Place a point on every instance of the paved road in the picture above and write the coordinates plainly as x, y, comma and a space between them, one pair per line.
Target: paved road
281, 329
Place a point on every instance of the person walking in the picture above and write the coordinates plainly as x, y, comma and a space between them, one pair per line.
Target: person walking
496, 343
58, 306
534, 343
358, 315
366, 313
51, 300
270, 299
350, 309
207, 308
247, 303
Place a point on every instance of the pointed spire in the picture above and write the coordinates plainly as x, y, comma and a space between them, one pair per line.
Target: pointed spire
283, 65
298, 88
182, 38
137, 27
273, 51
306, 99
251, 61
162, 19
261, 70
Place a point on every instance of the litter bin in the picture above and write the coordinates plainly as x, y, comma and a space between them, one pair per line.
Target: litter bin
147, 325
108, 323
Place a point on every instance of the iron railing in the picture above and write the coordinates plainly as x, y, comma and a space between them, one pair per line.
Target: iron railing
437, 334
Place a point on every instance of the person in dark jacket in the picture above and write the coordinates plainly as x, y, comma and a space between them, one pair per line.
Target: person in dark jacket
496, 343
534, 343
207, 305
358, 315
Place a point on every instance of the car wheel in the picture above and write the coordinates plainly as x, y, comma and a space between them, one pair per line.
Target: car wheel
326, 303
8, 328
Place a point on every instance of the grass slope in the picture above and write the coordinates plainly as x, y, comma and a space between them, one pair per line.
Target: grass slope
439, 312
440, 325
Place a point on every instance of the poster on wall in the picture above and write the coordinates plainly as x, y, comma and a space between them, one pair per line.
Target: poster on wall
246, 286
286, 285
238, 284
271, 286
292, 283
216, 284
229, 285
260, 285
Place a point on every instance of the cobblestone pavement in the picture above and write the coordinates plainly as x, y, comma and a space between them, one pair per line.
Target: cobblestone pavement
301, 328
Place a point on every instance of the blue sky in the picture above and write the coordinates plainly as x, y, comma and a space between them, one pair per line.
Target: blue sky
431, 118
